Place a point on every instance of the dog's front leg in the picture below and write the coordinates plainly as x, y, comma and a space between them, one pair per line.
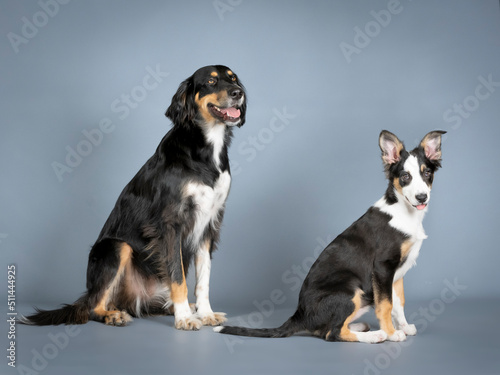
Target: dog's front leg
184, 317
398, 314
203, 265
382, 290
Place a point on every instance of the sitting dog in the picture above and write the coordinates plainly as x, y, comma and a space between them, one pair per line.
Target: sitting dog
169, 214
364, 266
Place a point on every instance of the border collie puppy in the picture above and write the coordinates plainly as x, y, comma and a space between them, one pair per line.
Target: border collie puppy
169, 214
364, 266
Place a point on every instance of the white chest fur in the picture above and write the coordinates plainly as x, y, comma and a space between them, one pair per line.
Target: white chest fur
215, 136
411, 260
208, 202
408, 221
404, 218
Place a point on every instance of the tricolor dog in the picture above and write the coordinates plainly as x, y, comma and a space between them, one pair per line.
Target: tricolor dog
365, 265
169, 214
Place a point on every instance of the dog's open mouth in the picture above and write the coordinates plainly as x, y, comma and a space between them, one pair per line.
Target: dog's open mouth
419, 207
230, 114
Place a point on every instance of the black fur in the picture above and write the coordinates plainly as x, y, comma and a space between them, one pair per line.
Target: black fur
367, 249
151, 214
365, 257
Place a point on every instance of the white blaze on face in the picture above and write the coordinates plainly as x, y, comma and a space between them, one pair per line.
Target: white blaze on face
417, 185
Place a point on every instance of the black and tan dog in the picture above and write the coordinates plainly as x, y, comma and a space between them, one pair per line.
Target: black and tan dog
169, 214
364, 266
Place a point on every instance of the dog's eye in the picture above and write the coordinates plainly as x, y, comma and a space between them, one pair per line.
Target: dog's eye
406, 177
233, 78
212, 81
427, 173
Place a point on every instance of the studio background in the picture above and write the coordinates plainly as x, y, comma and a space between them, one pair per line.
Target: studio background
84, 89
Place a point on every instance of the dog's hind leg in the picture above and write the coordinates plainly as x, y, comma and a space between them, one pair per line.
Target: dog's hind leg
346, 333
360, 326
108, 260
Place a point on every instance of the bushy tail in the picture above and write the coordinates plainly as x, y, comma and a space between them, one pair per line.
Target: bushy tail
288, 328
76, 313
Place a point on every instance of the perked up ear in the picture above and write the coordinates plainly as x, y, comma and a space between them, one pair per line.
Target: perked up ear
391, 147
182, 109
432, 145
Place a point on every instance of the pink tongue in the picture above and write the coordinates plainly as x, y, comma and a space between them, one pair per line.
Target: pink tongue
421, 206
231, 112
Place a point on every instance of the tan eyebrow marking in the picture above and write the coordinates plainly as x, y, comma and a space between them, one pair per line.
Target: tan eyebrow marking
214, 74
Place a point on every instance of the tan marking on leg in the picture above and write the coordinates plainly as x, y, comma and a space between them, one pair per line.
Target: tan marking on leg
345, 333
405, 248
399, 289
383, 311
105, 307
100, 309
179, 292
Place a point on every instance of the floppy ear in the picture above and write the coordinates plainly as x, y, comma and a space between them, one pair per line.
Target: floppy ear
182, 109
431, 144
391, 147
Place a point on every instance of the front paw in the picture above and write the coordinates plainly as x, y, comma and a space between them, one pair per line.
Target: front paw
212, 319
398, 335
190, 323
409, 329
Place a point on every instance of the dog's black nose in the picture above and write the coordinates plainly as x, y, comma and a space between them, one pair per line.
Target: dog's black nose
235, 93
421, 197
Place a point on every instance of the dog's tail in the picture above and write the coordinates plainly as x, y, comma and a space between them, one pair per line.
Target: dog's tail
287, 329
76, 313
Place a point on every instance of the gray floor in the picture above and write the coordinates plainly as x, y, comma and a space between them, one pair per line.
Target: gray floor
459, 337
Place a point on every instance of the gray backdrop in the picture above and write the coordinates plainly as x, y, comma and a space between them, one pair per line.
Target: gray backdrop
85, 85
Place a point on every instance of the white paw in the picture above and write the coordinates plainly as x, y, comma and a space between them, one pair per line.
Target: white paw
212, 319
397, 336
359, 327
409, 329
372, 337
190, 323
